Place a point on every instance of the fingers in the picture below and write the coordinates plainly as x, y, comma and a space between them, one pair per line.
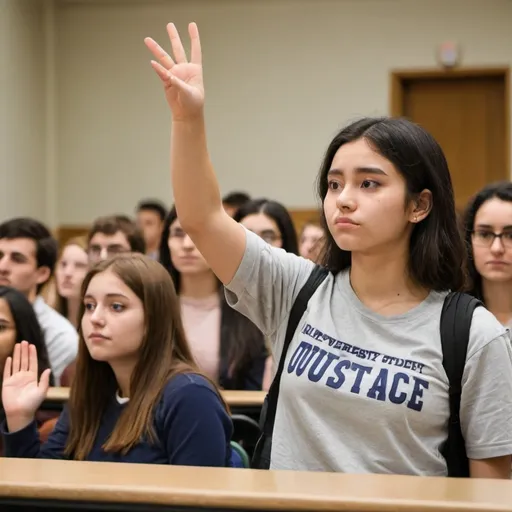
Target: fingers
195, 42
177, 47
159, 53
44, 381
32, 359
163, 73
24, 359
16, 358
7, 368
195, 49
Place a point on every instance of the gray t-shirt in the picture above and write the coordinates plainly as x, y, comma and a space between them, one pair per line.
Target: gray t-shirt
366, 393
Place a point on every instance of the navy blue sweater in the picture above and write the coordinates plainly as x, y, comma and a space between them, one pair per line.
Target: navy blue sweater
190, 422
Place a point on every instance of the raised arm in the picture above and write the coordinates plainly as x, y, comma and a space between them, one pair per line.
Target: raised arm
218, 237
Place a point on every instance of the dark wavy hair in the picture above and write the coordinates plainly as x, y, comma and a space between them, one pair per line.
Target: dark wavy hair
500, 190
437, 258
46, 245
242, 344
27, 326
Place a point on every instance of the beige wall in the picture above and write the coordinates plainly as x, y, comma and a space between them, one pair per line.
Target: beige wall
282, 77
22, 109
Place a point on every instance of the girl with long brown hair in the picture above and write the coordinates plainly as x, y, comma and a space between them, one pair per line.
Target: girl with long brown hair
70, 272
137, 394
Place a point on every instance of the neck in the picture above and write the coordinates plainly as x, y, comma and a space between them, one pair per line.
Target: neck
152, 248
382, 283
198, 286
123, 371
498, 299
73, 307
32, 296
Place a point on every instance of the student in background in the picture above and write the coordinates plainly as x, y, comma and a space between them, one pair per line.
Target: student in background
488, 233
226, 346
311, 241
151, 216
28, 254
233, 201
137, 395
393, 252
112, 235
72, 267
18, 322
271, 221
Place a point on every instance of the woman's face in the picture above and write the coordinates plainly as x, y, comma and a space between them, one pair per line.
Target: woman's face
265, 227
185, 256
492, 240
310, 243
365, 205
7, 333
113, 322
71, 271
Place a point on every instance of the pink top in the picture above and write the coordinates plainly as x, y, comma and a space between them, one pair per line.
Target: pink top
201, 320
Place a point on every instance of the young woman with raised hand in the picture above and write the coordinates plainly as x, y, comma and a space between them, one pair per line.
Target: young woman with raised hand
394, 251
137, 395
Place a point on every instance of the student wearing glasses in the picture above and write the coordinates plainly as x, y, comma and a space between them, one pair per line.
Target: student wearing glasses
112, 235
488, 233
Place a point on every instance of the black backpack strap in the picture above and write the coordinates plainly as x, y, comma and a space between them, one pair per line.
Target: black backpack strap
456, 318
299, 307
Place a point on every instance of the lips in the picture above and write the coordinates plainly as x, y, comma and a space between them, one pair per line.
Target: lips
97, 336
345, 221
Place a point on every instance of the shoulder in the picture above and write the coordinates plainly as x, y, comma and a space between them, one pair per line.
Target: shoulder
485, 329
191, 386
189, 397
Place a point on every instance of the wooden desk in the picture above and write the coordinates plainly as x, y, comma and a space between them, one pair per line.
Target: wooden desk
240, 402
88, 484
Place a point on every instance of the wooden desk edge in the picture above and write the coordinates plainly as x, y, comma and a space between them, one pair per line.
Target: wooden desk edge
233, 398
240, 501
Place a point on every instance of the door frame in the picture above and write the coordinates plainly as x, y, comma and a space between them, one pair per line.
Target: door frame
399, 77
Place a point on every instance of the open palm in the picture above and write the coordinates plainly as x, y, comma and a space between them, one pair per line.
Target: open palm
183, 80
22, 392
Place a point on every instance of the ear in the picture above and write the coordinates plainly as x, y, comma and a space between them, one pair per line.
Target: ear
42, 275
421, 207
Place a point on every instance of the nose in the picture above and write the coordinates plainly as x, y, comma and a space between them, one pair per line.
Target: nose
103, 254
346, 199
97, 316
187, 243
68, 271
497, 246
4, 264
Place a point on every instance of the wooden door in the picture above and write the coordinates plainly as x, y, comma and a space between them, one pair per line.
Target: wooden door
467, 112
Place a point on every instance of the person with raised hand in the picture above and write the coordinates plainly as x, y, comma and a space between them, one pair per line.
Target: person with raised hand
137, 395
22, 390
369, 344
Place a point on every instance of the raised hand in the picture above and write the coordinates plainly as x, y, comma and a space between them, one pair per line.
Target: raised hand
22, 391
183, 80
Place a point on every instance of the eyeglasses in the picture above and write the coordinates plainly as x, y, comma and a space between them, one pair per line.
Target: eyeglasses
95, 252
269, 236
484, 238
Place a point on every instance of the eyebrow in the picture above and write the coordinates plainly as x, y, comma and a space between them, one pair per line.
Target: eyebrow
488, 226
109, 295
359, 170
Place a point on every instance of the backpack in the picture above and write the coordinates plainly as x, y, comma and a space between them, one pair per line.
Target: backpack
456, 317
